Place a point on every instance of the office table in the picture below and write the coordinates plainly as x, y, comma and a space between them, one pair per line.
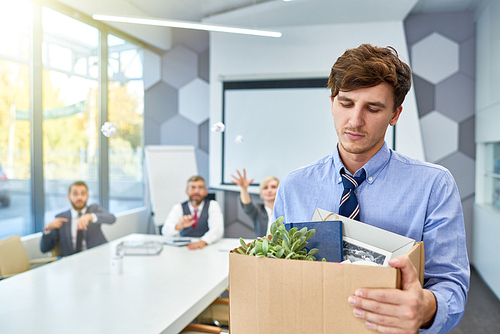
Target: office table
79, 294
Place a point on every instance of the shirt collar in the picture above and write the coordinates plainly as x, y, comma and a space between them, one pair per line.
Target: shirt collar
199, 208
372, 168
74, 213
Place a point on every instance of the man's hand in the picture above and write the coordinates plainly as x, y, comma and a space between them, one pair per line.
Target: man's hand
84, 221
55, 224
394, 310
184, 222
197, 245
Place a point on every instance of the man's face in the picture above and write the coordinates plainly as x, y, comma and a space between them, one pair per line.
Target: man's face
78, 197
361, 119
196, 191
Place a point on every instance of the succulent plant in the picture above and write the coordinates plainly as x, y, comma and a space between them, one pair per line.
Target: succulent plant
281, 244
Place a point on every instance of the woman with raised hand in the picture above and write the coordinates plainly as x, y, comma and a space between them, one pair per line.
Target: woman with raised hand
260, 214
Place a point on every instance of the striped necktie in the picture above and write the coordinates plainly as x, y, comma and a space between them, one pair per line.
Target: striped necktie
349, 206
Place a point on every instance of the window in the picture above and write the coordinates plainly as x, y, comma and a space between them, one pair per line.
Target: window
15, 159
70, 142
126, 110
70, 126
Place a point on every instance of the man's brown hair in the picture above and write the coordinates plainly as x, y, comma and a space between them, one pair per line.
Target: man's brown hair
196, 178
367, 66
77, 183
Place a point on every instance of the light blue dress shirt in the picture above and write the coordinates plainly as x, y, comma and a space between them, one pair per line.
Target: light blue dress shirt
406, 196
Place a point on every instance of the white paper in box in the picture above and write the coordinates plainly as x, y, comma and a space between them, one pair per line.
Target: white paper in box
386, 240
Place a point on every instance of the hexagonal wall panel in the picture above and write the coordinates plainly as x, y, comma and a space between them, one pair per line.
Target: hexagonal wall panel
202, 162
152, 69
440, 135
466, 142
435, 58
462, 167
160, 102
193, 101
203, 136
179, 66
179, 131
424, 92
455, 97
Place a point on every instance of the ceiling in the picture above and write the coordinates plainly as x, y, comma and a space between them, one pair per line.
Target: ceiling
254, 14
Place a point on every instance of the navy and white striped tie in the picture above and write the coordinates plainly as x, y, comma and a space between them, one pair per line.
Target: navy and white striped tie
349, 206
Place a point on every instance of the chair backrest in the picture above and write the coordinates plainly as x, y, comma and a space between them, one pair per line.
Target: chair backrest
13, 256
56, 251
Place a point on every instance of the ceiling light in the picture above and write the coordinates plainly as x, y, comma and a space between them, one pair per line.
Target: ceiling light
186, 25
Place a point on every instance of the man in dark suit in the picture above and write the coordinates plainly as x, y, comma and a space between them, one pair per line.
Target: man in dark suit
78, 228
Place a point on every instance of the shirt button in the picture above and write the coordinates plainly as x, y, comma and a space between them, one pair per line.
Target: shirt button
340, 179
370, 179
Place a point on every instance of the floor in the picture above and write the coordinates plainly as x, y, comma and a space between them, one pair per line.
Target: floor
482, 311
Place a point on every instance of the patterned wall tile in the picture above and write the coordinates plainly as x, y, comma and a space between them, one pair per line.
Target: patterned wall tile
468, 57
455, 26
152, 68
440, 135
204, 65
202, 162
179, 66
462, 167
466, 142
425, 96
203, 136
179, 131
152, 131
193, 101
160, 102
455, 97
435, 58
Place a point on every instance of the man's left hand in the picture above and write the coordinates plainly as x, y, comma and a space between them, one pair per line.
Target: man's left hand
394, 310
84, 221
197, 245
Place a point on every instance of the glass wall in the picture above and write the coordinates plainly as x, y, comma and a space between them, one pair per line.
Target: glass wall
15, 159
126, 110
71, 122
69, 86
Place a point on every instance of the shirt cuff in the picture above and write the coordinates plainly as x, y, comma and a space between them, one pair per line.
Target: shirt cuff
441, 315
94, 218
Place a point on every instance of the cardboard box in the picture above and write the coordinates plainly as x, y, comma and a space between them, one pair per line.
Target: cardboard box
292, 296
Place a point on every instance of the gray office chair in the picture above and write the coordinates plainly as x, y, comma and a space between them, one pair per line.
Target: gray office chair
14, 259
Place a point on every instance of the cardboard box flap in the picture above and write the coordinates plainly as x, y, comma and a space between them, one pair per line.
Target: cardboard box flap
386, 240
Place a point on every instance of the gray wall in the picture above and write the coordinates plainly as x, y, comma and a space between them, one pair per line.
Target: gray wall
442, 55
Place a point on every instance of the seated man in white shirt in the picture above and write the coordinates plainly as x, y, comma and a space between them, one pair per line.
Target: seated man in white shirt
78, 228
197, 217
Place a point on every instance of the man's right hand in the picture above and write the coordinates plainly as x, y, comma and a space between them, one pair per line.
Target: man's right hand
56, 223
184, 222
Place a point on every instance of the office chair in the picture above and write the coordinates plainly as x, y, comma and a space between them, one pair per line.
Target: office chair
14, 258
216, 314
200, 328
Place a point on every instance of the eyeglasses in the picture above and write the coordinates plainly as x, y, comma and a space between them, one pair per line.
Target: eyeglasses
196, 188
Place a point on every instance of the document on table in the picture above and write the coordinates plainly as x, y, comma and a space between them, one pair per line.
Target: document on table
180, 241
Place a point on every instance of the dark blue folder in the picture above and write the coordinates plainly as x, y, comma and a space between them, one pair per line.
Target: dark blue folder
327, 239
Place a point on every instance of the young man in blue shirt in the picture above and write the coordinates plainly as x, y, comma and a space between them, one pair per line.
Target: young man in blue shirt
400, 194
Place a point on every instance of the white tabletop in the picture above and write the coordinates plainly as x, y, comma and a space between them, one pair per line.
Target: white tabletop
79, 294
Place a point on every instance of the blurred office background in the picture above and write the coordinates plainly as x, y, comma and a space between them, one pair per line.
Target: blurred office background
63, 74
